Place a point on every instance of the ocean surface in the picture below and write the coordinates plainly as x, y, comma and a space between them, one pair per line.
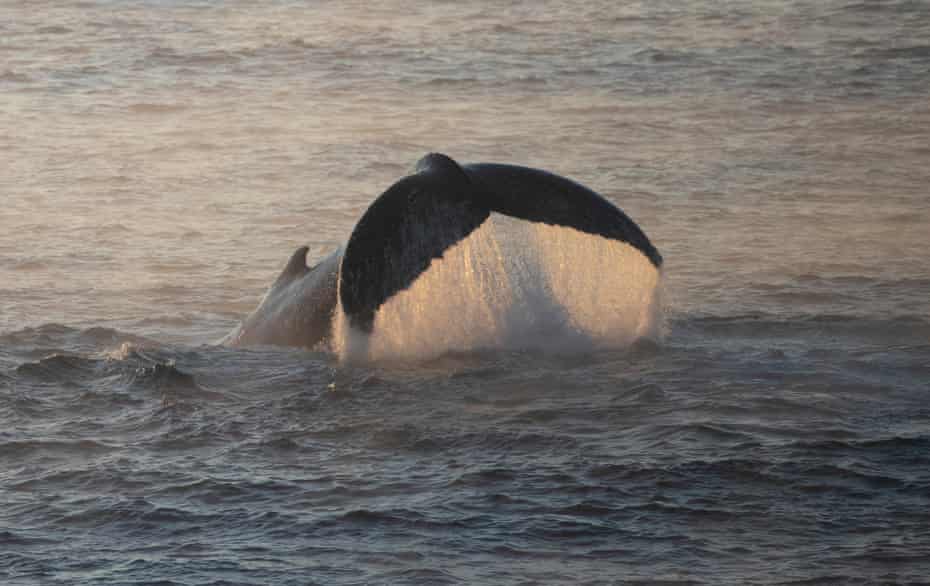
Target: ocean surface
162, 159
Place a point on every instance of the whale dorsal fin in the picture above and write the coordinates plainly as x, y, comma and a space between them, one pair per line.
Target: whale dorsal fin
296, 266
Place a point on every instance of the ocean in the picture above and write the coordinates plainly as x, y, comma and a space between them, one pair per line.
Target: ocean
162, 159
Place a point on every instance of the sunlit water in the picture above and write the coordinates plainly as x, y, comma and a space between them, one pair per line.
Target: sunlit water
162, 160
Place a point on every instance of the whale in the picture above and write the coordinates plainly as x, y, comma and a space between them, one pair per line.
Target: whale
405, 229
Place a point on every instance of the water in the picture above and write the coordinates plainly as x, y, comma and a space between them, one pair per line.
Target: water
162, 160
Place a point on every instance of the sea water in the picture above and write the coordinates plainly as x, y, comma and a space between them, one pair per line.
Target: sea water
540, 409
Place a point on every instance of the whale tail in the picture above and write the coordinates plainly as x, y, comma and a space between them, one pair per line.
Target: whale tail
421, 216
398, 237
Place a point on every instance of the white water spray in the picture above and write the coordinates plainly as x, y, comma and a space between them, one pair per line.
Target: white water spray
516, 285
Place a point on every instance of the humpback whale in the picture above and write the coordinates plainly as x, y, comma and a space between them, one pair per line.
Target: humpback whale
407, 227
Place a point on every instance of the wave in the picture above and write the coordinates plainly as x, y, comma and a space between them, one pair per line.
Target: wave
12, 539
54, 30
155, 108
896, 7
904, 329
59, 368
659, 56
11, 76
914, 52
161, 56
101, 379
84, 447
53, 337
161, 376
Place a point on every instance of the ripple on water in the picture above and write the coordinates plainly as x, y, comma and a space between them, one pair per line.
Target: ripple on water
165, 157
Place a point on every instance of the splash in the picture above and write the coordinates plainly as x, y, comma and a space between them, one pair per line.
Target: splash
516, 285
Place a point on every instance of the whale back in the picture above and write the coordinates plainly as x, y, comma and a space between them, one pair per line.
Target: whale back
297, 309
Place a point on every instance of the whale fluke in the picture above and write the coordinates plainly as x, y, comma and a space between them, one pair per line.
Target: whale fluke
296, 267
398, 237
418, 218
540, 196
